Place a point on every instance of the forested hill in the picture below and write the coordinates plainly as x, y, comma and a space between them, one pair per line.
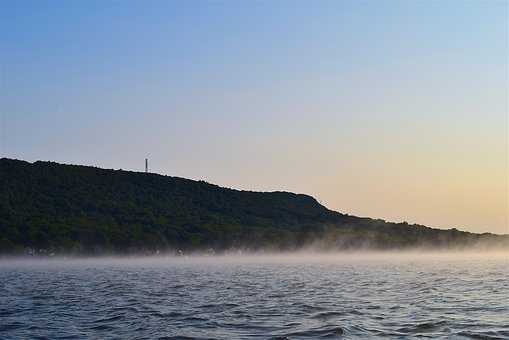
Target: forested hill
54, 208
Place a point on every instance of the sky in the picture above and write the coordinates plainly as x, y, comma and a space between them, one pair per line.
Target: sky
388, 109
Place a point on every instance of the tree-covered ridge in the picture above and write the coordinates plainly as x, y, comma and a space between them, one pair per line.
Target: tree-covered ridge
81, 209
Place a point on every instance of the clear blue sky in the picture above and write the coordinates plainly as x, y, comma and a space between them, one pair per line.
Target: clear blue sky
390, 109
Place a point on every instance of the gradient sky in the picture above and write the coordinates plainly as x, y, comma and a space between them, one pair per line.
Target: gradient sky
389, 109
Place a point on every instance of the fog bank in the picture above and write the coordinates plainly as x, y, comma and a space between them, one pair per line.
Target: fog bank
282, 258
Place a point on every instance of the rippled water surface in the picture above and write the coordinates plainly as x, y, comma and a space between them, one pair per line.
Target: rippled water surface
294, 297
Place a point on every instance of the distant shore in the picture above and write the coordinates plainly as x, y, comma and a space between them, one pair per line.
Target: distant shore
50, 209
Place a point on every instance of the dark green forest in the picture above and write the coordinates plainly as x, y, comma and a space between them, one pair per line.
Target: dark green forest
47, 207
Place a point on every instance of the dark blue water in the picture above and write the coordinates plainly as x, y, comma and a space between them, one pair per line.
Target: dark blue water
257, 298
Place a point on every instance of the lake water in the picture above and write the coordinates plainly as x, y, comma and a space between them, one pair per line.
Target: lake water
262, 297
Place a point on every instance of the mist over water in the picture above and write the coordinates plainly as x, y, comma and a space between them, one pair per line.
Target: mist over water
291, 295
265, 257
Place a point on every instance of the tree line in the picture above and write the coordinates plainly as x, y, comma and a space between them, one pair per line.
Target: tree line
47, 207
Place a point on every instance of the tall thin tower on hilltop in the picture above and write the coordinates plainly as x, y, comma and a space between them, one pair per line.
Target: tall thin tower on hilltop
146, 165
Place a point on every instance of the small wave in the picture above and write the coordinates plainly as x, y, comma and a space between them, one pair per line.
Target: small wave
219, 306
323, 332
103, 328
6, 312
12, 326
167, 315
327, 315
483, 335
108, 319
422, 327
309, 308
183, 337
194, 319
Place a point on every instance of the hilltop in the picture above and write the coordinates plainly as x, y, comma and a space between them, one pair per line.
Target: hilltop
59, 208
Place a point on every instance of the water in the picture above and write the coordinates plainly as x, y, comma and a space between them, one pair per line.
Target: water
294, 297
